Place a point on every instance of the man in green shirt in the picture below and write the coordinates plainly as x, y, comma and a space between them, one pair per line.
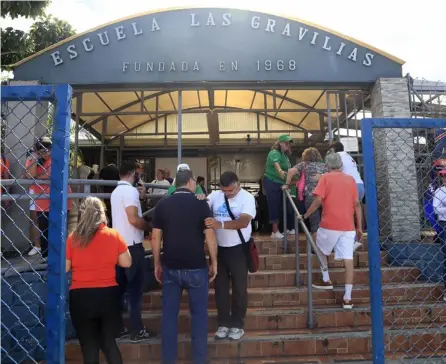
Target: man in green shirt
173, 188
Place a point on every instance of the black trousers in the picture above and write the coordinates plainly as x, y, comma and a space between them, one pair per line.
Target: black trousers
232, 268
44, 222
96, 313
131, 286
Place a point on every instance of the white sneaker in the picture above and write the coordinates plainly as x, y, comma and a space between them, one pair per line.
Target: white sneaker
222, 333
357, 246
278, 235
292, 232
34, 251
235, 334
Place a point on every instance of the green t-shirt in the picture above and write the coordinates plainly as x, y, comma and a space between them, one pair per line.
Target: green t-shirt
172, 189
270, 171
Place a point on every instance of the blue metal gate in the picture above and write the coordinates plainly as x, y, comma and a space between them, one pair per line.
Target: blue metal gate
401, 165
34, 287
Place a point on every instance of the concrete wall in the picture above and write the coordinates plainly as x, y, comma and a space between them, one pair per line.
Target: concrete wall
396, 177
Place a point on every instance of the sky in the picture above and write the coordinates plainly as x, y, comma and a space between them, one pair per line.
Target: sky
413, 32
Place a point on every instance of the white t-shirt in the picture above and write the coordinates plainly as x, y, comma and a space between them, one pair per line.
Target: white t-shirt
439, 203
349, 166
159, 191
123, 196
243, 203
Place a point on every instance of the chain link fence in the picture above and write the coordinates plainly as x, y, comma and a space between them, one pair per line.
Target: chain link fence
404, 161
35, 152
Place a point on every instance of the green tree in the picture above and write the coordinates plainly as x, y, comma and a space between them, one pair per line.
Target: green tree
28, 9
16, 45
45, 32
48, 31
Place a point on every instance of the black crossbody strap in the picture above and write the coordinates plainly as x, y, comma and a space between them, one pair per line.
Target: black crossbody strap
242, 239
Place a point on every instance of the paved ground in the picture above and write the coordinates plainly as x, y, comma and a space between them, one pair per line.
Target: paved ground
16, 265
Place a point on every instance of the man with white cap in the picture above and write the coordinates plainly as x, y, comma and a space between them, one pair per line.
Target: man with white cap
172, 188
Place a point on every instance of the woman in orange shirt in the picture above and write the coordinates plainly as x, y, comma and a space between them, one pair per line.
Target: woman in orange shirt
93, 251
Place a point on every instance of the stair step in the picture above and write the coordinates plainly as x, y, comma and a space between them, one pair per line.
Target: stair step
295, 296
283, 278
431, 357
259, 344
288, 261
279, 318
268, 246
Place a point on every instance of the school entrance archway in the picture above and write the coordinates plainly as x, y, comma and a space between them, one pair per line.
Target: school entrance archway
211, 80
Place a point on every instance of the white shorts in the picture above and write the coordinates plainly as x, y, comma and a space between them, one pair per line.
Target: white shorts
341, 241
32, 205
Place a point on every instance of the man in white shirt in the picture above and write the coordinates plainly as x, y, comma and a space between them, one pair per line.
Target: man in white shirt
160, 180
232, 258
439, 203
128, 221
349, 167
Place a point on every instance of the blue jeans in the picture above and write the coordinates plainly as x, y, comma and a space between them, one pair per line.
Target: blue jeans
274, 195
131, 285
442, 237
196, 283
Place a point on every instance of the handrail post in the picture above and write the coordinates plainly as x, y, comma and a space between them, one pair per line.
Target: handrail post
285, 231
296, 228
309, 283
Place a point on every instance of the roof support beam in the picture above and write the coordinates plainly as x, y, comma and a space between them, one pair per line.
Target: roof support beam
314, 106
108, 107
296, 102
211, 99
123, 107
205, 110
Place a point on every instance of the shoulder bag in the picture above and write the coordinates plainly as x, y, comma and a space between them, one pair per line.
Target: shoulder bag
301, 183
252, 255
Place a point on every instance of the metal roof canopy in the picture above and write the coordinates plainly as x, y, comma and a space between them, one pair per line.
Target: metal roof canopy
151, 76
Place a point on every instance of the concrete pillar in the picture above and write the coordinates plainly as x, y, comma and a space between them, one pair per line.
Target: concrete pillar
25, 123
396, 178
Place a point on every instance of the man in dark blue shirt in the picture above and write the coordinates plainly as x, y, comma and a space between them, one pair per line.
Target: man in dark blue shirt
179, 220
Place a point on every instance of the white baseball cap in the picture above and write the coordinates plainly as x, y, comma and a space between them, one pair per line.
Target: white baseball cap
182, 167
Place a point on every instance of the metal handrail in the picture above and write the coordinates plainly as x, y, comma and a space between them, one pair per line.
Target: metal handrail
310, 244
307, 233
90, 182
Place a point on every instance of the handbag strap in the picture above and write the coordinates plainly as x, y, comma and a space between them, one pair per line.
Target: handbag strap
242, 239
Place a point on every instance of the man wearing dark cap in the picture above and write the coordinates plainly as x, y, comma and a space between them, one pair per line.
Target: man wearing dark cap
179, 220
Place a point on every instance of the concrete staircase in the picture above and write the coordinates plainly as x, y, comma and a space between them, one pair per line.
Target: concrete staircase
276, 323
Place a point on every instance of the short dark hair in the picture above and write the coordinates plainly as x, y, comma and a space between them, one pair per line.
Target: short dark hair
228, 178
200, 179
127, 168
183, 177
337, 147
43, 143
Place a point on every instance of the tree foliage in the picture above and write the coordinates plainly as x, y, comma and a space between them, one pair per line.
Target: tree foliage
16, 45
45, 32
48, 31
28, 9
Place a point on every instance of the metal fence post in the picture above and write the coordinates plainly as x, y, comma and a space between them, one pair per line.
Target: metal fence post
285, 231
309, 285
296, 228
376, 297
55, 309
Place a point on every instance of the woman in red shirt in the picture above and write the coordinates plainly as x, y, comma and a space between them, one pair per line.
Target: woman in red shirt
93, 251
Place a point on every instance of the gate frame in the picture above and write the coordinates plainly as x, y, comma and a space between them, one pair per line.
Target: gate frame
57, 281
368, 152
